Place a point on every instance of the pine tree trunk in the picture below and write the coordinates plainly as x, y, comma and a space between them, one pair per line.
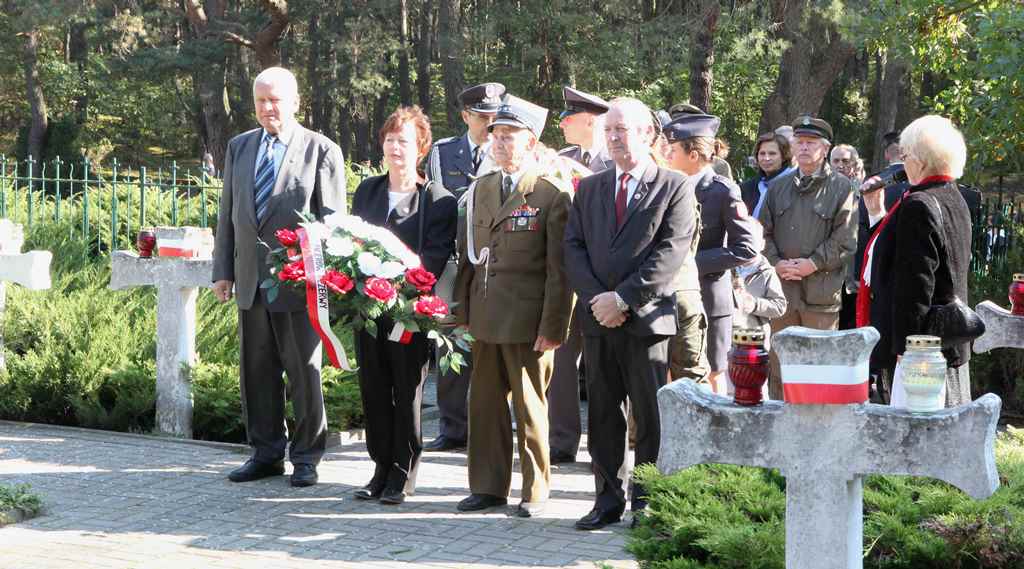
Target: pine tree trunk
36, 98
449, 22
423, 53
702, 54
404, 72
211, 79
891, 92
813, 60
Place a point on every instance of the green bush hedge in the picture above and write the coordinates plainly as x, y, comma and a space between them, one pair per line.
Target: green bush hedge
726, 517
81, 354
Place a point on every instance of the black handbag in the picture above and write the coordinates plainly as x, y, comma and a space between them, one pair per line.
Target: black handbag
956, 323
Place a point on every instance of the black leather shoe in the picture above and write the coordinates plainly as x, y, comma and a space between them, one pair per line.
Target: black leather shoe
562, 457
392, 496
597, 519
443, 443
253, 470
304, 475
477, 502
529, 509
371, 491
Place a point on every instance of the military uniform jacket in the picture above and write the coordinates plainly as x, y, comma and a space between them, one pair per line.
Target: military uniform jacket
726, 239
646, 261
598, 160
521, 291
450, 162
813, 217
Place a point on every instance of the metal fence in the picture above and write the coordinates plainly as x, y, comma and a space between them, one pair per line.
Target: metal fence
105, 205
998, 227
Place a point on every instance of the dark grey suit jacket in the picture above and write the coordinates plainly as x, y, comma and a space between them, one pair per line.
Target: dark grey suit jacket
311, 180
726, 239
642, 260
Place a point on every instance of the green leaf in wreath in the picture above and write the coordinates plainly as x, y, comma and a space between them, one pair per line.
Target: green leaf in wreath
371, 328
272, 294
411, 326
268, 283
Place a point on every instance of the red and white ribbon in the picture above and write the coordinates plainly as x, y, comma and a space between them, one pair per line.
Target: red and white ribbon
825, 384
400, 334
318, 297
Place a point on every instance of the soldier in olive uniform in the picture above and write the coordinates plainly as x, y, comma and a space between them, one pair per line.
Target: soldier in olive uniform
456, 162
810, 230
727, 231
513, 294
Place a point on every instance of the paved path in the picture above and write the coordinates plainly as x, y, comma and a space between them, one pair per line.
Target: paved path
115, 500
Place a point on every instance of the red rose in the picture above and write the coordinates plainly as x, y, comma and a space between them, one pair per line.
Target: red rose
431, 306
287, 237
292, 272
337, 281
422, 279
379, 289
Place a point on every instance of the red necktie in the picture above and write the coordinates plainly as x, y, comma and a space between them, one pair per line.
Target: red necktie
620, 200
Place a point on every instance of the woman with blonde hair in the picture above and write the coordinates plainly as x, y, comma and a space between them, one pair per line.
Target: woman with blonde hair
919, 253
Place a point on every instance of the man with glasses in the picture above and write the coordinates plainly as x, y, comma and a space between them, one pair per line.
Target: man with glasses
810, 230
456, 162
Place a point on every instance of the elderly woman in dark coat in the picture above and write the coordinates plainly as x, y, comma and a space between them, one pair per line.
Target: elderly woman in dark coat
920, 250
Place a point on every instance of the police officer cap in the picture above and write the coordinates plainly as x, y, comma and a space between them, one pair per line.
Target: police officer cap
692, 126
679, 109
482, 98
520, 114
812, 126
661, 118
580, 102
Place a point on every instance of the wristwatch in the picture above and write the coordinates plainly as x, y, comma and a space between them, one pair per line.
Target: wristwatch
621, 304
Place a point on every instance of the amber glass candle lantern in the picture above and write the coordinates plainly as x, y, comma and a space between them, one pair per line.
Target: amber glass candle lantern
146, 242
748, 366
1017, 295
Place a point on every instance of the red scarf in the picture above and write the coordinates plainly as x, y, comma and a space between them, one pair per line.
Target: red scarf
864, 293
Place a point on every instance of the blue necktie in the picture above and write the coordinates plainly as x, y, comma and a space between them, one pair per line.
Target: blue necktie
265, 180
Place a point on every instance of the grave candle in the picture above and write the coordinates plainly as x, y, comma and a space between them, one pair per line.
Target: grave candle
924, 373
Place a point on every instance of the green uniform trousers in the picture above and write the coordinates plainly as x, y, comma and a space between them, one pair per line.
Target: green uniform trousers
501, 371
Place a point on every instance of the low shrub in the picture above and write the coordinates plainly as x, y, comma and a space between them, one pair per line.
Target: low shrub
21, 499
720, 516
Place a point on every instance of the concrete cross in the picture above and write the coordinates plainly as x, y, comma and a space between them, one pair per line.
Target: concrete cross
1002, 328
30, 270
177, 281
824, 451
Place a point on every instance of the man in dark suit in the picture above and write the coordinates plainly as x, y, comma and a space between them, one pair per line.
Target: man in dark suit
456, 162
631, 232
270, 173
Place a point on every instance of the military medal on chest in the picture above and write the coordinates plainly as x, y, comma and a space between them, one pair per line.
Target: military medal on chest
523, 218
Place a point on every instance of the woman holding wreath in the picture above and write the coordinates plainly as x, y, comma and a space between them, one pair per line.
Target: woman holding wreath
423, 216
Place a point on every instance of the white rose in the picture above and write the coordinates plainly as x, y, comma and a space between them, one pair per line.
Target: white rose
390, 270
340, 246
369, 264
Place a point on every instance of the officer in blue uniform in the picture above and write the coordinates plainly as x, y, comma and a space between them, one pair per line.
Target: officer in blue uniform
682, 109
727, 230
456, 162
583, 129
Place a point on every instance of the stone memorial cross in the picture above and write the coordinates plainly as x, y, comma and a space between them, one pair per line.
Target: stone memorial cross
1002, 329
30, 270
177, 280
824, 451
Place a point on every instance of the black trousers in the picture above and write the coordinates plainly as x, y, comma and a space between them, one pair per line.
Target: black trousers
272, 344
391, 379
620, 365
564, 394
453, 400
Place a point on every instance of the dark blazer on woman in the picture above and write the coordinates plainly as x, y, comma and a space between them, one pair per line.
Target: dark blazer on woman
921, 258
439, 220
391, 374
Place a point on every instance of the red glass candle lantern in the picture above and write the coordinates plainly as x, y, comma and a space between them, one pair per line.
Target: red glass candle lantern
1017, 294
748, 366
145, 243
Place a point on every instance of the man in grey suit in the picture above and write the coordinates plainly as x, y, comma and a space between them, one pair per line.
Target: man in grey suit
270, 173
630, 243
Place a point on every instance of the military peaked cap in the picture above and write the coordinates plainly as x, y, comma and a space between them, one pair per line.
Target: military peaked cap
812, 126
482, 98
520, 113
692, 126
580, 102
679, 109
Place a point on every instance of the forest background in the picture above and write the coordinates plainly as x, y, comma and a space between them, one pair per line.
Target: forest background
149, 81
